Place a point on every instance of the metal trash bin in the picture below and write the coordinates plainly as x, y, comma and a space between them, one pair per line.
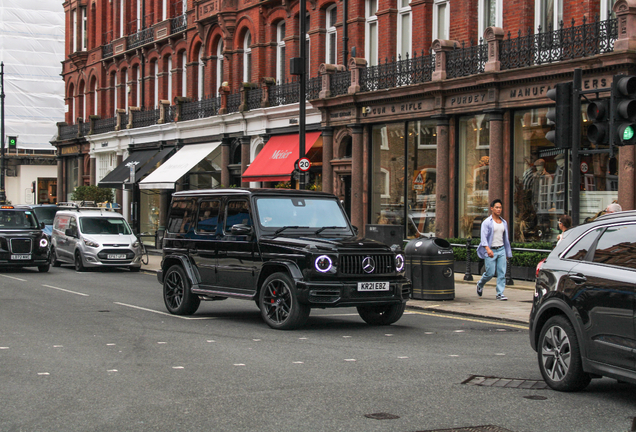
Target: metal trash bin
429, 266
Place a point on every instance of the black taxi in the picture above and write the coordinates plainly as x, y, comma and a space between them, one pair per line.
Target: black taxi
22, 240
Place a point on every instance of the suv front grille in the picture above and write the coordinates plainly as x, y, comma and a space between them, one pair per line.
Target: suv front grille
353, 264
21, 246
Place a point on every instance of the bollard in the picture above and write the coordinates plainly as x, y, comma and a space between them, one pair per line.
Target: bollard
509, 280
468, 276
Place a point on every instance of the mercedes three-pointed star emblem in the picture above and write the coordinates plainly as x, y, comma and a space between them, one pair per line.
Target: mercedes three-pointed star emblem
368, 265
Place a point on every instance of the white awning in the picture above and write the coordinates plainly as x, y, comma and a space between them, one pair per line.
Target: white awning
177, 166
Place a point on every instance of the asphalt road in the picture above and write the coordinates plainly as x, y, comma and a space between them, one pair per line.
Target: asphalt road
96, 351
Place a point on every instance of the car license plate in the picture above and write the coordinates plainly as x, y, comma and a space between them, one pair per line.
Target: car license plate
373, 286
116, 256
21, 257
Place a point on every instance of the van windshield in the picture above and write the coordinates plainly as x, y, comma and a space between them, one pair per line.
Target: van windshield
104, 225
303, 212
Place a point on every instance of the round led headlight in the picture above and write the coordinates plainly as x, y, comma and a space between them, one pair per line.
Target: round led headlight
323, 263
44, 242
399, 262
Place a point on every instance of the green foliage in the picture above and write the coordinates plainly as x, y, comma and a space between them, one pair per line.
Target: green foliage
92, 193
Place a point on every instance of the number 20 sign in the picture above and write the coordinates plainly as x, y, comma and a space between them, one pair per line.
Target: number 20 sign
304, 164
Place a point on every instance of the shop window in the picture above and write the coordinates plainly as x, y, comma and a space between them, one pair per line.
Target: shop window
474, 167
207, 173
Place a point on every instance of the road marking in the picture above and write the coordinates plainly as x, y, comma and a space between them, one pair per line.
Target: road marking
462, 318
163, 313
297, 362
43, 373
112, 370
4, 347
459, 331
403, 357
349, 360
178, 367
239, 364
15, 278
65, 290
388, 334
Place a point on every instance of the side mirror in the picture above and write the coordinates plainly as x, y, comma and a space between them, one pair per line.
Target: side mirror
355, 229
69, 232
241, 229
42, 226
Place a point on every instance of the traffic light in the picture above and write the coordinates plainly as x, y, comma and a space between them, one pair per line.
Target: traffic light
561, 115
624, 110
598, 112
13, 141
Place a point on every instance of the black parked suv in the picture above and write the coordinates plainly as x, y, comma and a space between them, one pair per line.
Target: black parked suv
288, 250
582, 322
22, 242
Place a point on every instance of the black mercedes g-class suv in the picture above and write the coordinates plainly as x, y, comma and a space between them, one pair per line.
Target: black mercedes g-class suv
288, 250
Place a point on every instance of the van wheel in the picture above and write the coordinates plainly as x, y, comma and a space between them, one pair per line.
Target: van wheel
177, 296
279, 303
381, 315
79, 264
54, 260
560, 356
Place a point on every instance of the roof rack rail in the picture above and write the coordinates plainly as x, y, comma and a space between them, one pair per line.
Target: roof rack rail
87, 205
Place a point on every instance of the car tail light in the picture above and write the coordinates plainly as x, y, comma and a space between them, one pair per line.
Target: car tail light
539, 266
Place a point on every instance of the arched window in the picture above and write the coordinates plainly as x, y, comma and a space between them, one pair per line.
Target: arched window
184, 74
156, 80
200, 74
371, 30
247, 57
219, 67
404, 28
280, 52
331, 46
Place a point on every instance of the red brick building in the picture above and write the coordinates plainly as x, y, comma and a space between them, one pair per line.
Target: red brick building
427, 109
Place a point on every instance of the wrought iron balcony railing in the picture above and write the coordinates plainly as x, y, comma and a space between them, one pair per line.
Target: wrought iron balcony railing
140, 38
145, 117
340, 83
233, 102
178, 24
107, 50
584, 40
467, 60
206, 107
404, 71
105, 125
284, 94
313, 88
254, 97
69, 132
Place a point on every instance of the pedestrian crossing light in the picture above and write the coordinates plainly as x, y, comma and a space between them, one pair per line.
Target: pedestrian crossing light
561, 115
599, 114
13, 141
624, 110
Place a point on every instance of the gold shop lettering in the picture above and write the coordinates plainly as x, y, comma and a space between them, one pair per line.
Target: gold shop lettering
469, 99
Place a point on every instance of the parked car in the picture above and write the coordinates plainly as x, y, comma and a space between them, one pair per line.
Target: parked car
287, 250
45, 214
93, 237
22, 241
582, 320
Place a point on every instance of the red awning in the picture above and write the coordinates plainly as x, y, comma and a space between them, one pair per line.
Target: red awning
276, 161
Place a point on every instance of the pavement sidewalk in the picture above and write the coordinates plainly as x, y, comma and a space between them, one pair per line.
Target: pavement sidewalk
466, 302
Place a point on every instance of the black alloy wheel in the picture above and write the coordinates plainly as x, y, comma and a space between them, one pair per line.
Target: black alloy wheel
54, 261
177, 296
560, 356
381, 315
79, 263
279, 303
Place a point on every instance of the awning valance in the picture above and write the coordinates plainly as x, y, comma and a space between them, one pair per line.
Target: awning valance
120, 175
177, 166
276, 161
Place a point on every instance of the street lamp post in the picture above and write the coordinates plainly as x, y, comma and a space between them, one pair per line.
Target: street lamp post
3, 196
303, 76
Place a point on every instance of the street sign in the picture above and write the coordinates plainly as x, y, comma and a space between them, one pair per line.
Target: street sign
304, 164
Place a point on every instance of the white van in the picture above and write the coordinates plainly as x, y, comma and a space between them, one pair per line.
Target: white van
93, 237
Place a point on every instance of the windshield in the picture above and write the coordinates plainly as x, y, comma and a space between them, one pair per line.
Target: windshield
17, 219
103, 225
306, 213
45, 214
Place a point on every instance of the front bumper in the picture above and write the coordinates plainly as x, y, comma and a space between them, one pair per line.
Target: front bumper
346, 294
93, 260
37, 259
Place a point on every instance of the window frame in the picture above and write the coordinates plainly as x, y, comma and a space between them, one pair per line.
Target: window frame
436, 5
402, 12
538, 15
482, 15
247, 56
219, 66
371, 21
605, 9
84, 28
281, 29
331, 31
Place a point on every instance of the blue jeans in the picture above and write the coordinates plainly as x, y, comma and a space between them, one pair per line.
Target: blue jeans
498, 263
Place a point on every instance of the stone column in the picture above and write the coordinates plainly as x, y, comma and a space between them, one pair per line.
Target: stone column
93, 171
625, 11
626, 160
119, 195
325, 71
441, 48
495, 157
60, 179
80, 170
225, 161
327, 155
357, 162
245, 158
493, 35
356, 65
442, 228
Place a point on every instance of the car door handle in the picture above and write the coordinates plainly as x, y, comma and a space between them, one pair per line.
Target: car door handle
578, 278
